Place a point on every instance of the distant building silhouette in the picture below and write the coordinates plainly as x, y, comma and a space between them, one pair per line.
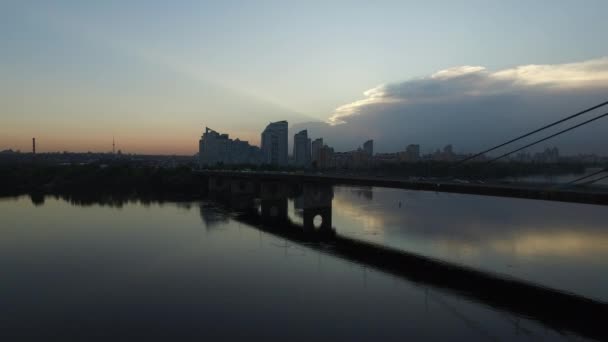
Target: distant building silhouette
549, 155
326, 157
368, 147
446, 155
316, 146
274, 144
215, 148
301, 148
448, 151
33, 145
412, 153
362, 157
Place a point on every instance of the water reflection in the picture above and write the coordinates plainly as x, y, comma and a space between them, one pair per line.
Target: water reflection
472, 223
478, 231
287, 212
37, 199
550, 243
541, 303
212, 217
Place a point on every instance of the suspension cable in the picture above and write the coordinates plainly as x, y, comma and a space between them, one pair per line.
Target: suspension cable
533, 132
587, 176
547, 138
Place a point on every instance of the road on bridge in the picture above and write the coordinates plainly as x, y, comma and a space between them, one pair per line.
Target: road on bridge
590, 195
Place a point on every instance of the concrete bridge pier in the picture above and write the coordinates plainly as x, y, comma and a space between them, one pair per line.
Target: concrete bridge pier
273, 196
237, 193
242, 194
218, 184
317, 206
242, 187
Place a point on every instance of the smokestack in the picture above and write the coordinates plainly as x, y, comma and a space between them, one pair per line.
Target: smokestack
34, 145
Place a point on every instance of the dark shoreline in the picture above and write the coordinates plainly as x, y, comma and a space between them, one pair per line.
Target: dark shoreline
184, 182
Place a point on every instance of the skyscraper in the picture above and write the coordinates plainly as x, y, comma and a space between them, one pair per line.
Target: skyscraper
368, 147
317, 144
301, 148
212, 147
274, 143
326, 157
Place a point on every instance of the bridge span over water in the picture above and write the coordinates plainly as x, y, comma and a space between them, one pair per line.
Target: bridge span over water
590, 195
264, 205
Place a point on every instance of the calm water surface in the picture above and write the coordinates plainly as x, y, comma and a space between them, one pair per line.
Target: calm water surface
560, 245
188, 270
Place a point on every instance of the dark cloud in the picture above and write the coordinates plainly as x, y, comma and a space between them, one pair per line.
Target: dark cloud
473, 108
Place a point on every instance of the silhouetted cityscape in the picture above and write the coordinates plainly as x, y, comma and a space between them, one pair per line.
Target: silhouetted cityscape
219, 149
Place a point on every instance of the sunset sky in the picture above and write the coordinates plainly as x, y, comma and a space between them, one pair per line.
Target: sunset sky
153, 74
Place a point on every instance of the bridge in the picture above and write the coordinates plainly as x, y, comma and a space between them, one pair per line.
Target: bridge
222, 178
260, 199
530, 191
264, 205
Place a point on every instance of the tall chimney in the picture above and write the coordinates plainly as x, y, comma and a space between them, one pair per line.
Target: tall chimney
34, 145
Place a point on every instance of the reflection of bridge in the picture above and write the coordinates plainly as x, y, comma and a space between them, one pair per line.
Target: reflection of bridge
264, 205
313, 199
530, 191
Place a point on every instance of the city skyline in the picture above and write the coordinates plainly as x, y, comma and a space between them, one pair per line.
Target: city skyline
304, 170
408, 152
152, 75
218, 149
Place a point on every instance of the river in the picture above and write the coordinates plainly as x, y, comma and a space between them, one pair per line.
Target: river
191, 270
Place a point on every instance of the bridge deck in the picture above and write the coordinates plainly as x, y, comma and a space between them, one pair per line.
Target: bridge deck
528, 191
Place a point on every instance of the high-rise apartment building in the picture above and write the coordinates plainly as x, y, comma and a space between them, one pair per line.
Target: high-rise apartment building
301, 148
316, 146
326, 157
216, 148
368, 147
274, 144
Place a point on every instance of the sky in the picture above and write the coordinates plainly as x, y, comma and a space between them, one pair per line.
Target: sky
153, 74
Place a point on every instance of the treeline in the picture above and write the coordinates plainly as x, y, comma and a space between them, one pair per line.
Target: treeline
146, 181
123, 179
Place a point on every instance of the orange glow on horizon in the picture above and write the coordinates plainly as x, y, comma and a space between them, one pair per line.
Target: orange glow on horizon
160, 142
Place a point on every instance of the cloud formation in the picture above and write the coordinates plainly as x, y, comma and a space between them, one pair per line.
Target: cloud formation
473, 108
463, 82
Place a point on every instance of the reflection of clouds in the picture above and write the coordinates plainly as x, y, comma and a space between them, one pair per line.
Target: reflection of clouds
370, 221
473, 216
558, 244
467, 225
366, 191
459, 248
555, 243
